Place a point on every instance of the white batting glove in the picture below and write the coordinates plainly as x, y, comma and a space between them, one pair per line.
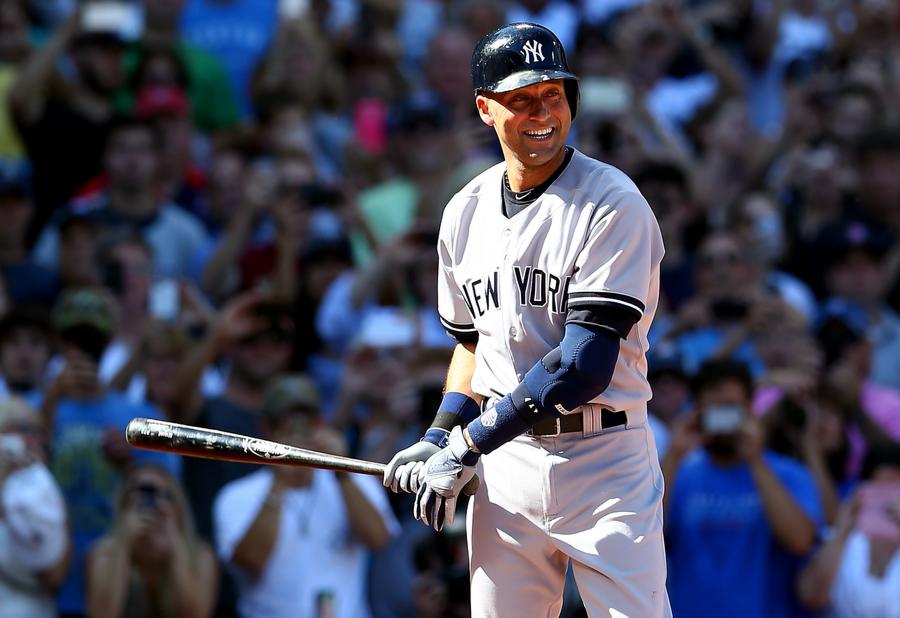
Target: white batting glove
445, 475
403, 471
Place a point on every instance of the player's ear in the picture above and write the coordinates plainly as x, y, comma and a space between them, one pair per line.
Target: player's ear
484, 111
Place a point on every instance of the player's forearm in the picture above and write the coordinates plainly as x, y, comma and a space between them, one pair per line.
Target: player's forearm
461, 370
365, 520
254, 550
793, 528
567, 377
461, 403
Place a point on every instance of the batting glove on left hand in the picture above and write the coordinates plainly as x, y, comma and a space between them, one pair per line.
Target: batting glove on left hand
445, 474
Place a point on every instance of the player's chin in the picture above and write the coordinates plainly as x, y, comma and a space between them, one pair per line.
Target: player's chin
537, 154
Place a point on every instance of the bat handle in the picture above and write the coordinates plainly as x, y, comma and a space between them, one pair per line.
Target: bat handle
471, 488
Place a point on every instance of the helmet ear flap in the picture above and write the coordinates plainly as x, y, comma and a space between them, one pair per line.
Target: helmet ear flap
573, 95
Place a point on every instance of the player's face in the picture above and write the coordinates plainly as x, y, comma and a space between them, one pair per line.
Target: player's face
532, 122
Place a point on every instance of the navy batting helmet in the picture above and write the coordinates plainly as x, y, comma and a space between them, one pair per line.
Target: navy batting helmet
519, 55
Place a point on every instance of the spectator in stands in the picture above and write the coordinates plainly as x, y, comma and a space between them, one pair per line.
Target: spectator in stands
729, 307
857, 270
738, 516
269, 523
671, 393
85, 424
212, 103
80, 236
167, 108
25, 348
872, 410
856, 572
130, 199
235, 32
62, 117
151, 562
425, 152
878, 166
34, 539
221, 276
23, 279
254, 334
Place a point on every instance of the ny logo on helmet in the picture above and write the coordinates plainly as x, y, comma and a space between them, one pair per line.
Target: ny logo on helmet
533, 52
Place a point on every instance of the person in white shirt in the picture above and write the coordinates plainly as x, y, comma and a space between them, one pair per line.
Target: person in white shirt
298, 539
34, 541
856, 573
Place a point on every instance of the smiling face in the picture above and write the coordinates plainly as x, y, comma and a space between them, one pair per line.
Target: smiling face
532, 124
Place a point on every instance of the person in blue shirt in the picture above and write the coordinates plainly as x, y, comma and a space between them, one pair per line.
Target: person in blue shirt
85, 424
739, 518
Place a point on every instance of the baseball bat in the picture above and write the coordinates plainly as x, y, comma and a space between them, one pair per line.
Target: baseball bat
158, 435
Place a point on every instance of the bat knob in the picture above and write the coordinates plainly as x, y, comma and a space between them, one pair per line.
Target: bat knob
471, 488
136, 428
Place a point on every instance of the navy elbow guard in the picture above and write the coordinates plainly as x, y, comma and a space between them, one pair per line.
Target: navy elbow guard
567, 377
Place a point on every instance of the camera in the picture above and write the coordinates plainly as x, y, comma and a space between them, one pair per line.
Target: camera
147, 497
728, 309
722, 420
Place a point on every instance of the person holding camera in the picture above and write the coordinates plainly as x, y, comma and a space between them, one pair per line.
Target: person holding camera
856, 572
738, 516
731, 308
151, 563
85, 427
34, 540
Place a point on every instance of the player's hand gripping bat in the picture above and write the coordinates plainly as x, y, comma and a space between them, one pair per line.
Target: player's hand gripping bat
157, 435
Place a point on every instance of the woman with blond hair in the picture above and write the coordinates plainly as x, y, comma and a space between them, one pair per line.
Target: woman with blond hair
151, 563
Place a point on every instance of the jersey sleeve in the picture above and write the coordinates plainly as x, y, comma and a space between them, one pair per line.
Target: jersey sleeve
615, 268
452, 308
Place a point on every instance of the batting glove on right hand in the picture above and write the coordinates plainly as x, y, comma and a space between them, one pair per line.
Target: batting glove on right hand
403, 470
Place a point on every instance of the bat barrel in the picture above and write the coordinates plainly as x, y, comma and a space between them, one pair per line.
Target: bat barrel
157, 435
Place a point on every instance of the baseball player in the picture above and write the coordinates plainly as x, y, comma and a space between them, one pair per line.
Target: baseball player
548, 280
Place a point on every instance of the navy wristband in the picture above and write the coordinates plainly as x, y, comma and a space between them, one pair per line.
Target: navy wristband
455, 409
497, 426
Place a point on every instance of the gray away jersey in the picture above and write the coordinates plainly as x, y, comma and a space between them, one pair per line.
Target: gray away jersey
591, 240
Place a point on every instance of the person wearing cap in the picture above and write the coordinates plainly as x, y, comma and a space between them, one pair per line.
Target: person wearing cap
34, 540
855, 252
212, 104
253, 335
425, 149
22, 278
167, 107
298, 539
63, 127
85, 426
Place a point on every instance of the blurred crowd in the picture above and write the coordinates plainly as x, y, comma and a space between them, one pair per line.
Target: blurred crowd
224, 213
